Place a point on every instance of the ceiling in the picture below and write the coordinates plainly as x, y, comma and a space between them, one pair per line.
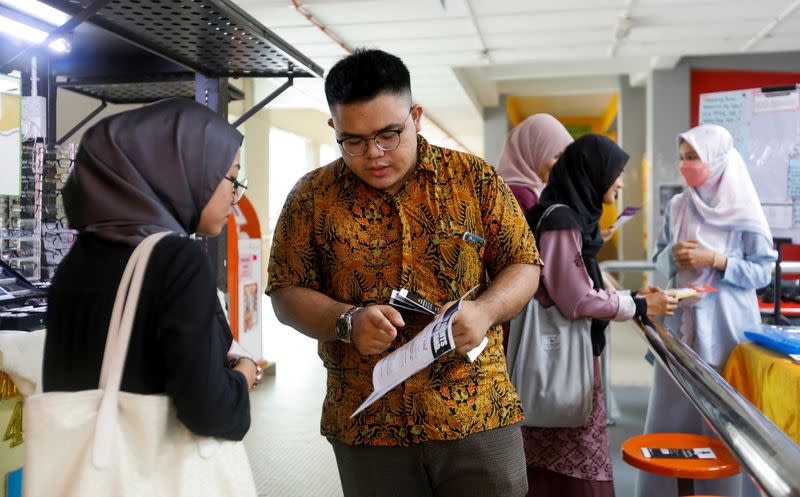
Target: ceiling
463, 54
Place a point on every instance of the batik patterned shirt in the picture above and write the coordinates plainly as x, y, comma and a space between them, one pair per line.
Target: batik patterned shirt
353, 243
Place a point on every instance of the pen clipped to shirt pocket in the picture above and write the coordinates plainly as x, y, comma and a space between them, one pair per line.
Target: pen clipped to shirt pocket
462, 256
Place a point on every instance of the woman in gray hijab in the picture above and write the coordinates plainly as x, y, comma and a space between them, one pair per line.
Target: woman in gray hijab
168, 166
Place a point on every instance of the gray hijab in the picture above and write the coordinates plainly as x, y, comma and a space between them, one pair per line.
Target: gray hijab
149, 170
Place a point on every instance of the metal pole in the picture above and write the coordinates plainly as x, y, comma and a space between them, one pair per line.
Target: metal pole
260, 105
213, 93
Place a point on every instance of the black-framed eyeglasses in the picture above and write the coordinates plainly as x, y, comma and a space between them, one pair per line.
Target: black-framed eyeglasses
386, 140
55, 224
64, 163
238, 188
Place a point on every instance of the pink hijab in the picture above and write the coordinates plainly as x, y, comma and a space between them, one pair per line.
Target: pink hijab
529, 145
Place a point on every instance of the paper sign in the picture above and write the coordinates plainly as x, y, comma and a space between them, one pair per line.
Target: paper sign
660, 453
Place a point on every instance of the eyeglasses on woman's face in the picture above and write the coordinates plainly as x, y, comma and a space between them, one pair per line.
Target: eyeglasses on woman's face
238, 189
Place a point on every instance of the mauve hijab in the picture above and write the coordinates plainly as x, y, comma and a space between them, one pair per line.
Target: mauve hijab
529, 145
149, 170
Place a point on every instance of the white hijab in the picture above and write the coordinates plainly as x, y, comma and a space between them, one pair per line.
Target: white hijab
727, 203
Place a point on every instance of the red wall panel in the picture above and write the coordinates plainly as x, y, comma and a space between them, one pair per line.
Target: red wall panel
708, 81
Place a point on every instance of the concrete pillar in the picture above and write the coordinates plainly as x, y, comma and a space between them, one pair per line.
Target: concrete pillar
632, 129
256, 160
495, 130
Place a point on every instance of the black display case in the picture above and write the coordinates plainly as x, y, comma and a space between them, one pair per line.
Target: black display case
22, 304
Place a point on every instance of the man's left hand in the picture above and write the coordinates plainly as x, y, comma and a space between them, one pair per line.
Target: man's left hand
470, 325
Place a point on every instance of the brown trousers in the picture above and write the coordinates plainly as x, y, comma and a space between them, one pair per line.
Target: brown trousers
486, 464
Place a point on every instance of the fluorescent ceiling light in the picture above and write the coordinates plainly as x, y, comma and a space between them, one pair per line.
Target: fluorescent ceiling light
27, 33
38, 10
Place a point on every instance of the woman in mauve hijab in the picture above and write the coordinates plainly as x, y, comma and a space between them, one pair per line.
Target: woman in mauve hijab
168, 166
530, 152
715, 233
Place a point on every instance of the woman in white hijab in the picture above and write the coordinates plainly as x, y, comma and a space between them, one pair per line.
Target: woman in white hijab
715, 233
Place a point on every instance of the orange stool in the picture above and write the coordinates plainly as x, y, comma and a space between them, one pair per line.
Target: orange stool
685, 470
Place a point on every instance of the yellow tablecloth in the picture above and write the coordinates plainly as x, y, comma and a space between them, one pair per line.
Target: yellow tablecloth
20, 375
770, 381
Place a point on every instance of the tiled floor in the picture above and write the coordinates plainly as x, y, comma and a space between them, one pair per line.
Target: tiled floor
290, 458
288, 455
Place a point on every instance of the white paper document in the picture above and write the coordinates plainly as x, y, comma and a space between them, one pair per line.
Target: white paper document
431, 343
776, 101
411, 301
237, 350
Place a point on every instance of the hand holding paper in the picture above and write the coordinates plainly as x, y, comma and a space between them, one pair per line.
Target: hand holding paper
412, 301
433, 341
469, 327
690, 291
375, 328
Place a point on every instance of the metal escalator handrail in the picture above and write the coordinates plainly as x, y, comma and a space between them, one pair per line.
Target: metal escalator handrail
614, 266
771, 458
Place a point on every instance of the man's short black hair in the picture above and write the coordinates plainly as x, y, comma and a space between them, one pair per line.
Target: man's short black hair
364, 74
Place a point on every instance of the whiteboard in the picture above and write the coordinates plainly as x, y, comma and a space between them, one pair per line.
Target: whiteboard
766, 130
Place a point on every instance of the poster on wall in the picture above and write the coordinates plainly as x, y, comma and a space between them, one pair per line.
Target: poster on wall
10, 135
765, 125
250, 291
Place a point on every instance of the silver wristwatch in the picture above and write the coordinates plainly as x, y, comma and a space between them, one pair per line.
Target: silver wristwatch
344, 325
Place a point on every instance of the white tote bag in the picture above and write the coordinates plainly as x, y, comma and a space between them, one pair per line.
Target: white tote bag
551, 365
116, 444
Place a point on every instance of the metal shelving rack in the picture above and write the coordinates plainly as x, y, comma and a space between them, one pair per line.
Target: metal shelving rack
138, 51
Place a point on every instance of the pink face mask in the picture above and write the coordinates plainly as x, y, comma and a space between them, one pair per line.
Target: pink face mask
694, 172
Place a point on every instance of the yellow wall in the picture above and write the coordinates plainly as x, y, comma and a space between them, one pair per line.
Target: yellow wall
10, 115
577, 126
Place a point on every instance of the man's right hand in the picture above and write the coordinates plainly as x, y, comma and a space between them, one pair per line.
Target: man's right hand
375, 328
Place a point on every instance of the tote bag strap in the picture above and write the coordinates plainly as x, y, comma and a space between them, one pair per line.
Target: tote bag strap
544, 215
116, 349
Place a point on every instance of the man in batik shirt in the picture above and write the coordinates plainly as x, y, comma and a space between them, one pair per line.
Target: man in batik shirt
390, 214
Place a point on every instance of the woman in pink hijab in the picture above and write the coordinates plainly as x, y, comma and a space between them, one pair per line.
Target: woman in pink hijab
529, 154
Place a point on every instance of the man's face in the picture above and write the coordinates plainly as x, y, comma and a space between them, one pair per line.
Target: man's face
381, 169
